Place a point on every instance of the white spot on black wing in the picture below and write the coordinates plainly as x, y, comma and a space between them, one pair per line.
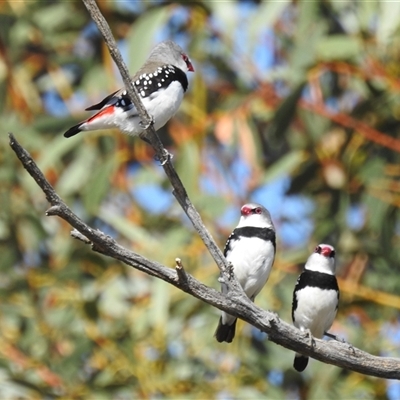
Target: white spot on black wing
161, 79
123, 102
232, 238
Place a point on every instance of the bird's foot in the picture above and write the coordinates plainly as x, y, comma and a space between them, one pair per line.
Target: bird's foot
351, 348
227, 275
341, 340
146, 126
307, 333
167, 156
274, 318
229, 270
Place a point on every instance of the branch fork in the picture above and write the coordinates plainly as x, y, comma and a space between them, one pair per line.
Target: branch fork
236, 302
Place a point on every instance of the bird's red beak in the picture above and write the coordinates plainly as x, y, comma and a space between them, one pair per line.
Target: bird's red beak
326, 251
190, 67
245, 210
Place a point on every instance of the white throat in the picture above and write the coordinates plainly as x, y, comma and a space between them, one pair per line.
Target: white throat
255, 220
319, 263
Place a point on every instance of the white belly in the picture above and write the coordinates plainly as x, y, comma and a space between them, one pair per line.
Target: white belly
316, 310
252, 260
162, 106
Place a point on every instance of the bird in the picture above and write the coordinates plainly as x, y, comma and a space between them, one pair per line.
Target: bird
315, 298
251, 249
161, 83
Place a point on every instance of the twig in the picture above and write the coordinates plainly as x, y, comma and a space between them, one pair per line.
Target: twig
235, 303
181, 273
179, 191
361, 127
77, 235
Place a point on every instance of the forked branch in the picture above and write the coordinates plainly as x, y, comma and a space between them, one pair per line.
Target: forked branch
179, 190
235, 303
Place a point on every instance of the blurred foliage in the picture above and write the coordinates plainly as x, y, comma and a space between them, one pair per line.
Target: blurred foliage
295, 105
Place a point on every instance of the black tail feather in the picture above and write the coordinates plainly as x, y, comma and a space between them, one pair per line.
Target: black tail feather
300, 363
225, 333
73, 131
100, 105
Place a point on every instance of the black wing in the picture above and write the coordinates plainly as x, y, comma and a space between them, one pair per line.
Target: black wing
232, 238
100, 105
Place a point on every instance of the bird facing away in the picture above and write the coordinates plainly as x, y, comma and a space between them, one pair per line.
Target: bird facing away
161, 83
251, 250
315, 297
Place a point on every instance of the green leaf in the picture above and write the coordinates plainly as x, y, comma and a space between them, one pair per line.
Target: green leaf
140, 39
286, 165
188, 165
159, 304
284, 115
77, 173
129, 230
266, 16
338, 47
98, 184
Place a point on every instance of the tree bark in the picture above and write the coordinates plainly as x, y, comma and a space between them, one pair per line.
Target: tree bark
179, 190
235, 302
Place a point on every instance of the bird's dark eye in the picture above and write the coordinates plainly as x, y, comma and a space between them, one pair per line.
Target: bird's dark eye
318, 250
257, 210
188, 62
332, 255
186, 59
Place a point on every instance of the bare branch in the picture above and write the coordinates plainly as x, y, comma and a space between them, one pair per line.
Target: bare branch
235, 302
179, 190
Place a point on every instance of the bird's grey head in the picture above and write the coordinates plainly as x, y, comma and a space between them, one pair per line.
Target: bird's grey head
253, 214
168, 52
322, 260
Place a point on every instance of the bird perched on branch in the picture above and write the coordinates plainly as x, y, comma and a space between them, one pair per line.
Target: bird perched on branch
315, 297
161, 83
251, 250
